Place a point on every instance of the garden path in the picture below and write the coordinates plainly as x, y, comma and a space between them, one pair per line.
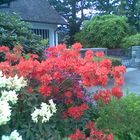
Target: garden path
132, 81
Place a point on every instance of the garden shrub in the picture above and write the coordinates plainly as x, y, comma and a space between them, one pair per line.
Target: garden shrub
93, 133
14, 31
105, 31
133, 40
122, 117
59, 82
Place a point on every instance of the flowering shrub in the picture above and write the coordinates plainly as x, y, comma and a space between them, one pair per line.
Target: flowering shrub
62, 77
5, 112
9, 87
94, 134
13, 136
11, 107
65, 66
77, 111
45, 112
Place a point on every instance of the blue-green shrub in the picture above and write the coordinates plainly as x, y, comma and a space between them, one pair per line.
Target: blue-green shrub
122, 117
104, 31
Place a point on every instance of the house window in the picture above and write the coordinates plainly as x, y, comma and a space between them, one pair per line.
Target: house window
44, 33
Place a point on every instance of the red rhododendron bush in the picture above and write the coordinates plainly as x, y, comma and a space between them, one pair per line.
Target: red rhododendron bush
60, 80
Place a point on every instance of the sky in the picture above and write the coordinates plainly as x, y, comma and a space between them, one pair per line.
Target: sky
87, 12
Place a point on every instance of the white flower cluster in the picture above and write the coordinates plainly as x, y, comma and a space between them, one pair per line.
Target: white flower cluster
13, 83
13, 136
10, 85
5, 112
9, 96
45, 112
5, 109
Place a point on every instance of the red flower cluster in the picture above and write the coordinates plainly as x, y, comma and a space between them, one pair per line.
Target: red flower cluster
117, 72
13, 57
94, 134
64, 74
100, 54
77, 111
78, 135
117, 92
106, 95
4, 49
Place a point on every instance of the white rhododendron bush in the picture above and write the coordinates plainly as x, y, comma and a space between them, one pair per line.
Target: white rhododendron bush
10, 97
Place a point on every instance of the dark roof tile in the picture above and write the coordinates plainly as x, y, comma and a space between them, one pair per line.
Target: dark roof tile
35, 11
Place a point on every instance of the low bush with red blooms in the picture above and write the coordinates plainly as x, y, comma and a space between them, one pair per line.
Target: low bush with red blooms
64, 74
106, 95
93, 134
77, 111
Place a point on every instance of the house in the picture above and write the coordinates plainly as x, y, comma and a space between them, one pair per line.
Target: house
43, 17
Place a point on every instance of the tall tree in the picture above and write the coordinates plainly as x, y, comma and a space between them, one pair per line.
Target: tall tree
128, 8
73, 12
106, 6
131, 8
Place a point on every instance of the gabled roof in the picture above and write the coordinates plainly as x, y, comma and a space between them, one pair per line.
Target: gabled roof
35, 11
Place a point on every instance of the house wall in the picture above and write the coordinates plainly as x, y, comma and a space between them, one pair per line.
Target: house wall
53, 36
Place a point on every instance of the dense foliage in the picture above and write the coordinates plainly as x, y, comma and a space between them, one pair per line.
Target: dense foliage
128, 8
54, 104
104, 31
74, 13
122, 117
13, 32
133, 40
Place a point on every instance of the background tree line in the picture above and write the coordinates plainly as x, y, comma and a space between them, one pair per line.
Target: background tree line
73, 12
